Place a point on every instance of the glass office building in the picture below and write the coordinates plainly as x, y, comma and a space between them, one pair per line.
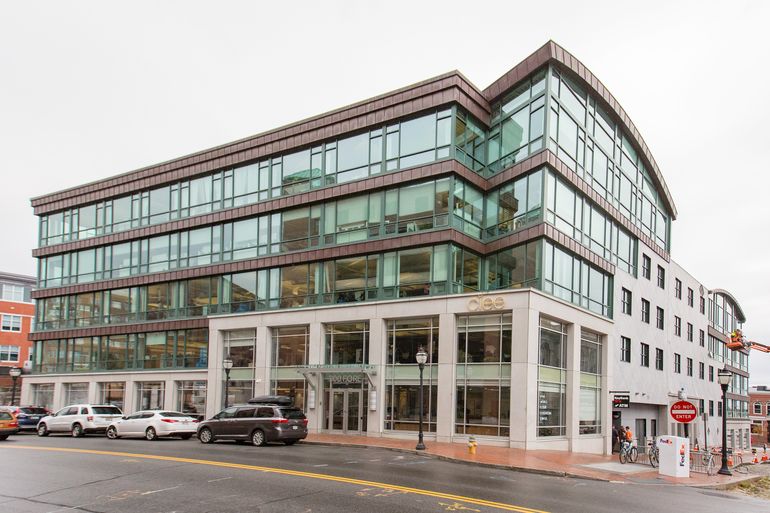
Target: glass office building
503, 230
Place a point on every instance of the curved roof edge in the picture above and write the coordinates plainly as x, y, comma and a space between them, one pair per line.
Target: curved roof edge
739, 310
552, 52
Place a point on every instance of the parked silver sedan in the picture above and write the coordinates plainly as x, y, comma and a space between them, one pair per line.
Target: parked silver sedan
154, 424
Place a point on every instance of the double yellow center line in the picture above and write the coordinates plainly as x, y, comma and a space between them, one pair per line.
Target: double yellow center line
285, 472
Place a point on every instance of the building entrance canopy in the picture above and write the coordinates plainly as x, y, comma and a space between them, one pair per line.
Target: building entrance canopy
340, 374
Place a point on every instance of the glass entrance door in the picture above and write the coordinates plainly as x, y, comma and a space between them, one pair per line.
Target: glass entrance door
345, 410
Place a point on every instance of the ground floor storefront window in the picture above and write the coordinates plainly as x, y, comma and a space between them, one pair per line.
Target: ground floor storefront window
113, 393
191, 397
150, 395
239, 392
483, 388
402, 382
42, 395
294, 388
76, 393
552, 378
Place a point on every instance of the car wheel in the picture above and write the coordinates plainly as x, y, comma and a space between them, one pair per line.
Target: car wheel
186, 436
206, 436
3, 437
42, 430
77, 430
290, 442
151, 434
112, 433
258, 437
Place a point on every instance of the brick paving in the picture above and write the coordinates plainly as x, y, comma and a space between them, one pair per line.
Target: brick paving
558, 463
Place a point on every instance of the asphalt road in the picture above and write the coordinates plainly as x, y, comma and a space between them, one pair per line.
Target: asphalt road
93, 474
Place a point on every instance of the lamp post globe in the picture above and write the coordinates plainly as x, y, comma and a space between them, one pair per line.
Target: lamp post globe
724, 377
422, 358
14, 372
227, 364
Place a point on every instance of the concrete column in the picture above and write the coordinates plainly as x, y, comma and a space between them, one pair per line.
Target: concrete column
447, 349
215, 384
169, 397
529, 393
58, 396
377, 349
605, 404
522, 357
572, 412
262, 361
316, 357
93, 392
129, 396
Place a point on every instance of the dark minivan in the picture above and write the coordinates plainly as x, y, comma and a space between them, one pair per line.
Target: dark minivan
259, 422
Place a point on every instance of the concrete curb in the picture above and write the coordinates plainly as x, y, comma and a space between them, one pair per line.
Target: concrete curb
529, 470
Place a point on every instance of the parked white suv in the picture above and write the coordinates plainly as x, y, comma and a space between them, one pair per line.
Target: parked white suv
79, 419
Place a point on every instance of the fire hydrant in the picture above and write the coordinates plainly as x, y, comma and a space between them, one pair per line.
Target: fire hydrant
472, 445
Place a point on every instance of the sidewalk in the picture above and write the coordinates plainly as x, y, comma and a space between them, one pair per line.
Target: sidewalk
556, 463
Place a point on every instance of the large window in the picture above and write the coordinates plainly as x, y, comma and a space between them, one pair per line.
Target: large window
552, 379
625, 349
42, 395
517, 124
15, 293
572, 279
517, 267
290, 346
11, 322
9, 353
76, 393
112, 392
590, 383
347, 343
150, 395
514, 205
483, 375
191, 397
405, 338
569, 211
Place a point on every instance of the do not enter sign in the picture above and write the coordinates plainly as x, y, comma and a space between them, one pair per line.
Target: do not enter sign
683, 411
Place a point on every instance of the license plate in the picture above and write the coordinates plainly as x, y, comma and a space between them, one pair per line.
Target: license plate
294, 427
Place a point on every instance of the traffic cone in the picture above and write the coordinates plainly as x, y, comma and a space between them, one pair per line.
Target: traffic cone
755, 459
729, 461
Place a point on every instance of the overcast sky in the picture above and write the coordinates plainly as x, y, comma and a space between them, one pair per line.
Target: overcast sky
93, 89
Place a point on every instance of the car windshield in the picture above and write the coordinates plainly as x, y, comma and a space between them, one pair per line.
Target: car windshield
33, 410
173, 414
292, 413
106, 410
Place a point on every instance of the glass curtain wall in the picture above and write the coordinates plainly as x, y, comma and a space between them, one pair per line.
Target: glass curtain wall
406, 143
483, 402
552, 379
570, 278
155, 350
402, 379
588, 140
574, 215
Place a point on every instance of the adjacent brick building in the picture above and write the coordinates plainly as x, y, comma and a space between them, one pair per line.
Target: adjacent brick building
16, 313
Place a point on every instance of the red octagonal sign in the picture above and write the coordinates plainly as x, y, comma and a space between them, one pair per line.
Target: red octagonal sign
683, 411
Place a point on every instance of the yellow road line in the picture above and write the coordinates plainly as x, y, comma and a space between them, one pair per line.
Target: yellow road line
285, 472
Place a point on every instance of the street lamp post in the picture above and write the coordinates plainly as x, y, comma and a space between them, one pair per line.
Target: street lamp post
227, 364
14, 372
724, 376
421, 357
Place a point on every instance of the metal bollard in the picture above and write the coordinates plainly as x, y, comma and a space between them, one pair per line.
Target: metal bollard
472, 445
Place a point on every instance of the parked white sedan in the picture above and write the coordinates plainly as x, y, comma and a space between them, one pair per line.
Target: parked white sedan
153, 425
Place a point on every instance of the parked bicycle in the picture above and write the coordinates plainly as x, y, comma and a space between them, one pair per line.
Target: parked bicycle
653, 454
628, 453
